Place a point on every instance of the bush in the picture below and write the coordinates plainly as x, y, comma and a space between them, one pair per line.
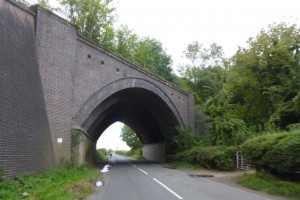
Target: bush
213, 157
121, 152
135, 153
276, 153
101, 155
185, 139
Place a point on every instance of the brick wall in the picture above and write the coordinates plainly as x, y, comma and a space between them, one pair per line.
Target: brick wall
56, 49
25, 144
96, 68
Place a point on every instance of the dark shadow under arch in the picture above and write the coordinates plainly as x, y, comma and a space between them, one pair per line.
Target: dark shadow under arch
136, 102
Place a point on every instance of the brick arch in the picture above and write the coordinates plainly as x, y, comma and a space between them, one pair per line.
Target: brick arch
133, 101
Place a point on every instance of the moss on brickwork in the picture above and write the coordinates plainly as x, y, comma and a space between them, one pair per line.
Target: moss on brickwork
77, 134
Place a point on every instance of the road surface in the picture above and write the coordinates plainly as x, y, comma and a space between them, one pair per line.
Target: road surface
129, 179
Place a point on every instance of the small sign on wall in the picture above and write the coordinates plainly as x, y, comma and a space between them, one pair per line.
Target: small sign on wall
59, 140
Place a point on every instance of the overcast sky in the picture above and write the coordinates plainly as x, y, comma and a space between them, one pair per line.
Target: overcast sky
176, 23
229, 23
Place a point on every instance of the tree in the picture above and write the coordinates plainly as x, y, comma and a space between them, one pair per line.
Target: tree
131, 139
145, 52
94, 19
200, 57
205, 72
264, 81
151, 54
126, 43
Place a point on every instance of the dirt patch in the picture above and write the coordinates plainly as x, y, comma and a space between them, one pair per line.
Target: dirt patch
202, 175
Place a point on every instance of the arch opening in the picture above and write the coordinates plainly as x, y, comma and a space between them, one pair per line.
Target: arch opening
147, 112
142, 110
110, 139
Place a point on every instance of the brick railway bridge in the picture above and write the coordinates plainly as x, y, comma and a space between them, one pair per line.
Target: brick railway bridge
53, 81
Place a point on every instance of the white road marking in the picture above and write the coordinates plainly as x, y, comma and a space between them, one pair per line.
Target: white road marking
143, 171
167, 188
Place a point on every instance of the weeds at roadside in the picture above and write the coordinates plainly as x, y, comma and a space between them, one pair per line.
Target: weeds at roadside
265, 182
74, 183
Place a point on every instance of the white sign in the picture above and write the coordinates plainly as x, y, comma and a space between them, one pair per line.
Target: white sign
59, 140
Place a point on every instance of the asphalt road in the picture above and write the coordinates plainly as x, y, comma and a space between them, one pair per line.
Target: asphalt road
129, 179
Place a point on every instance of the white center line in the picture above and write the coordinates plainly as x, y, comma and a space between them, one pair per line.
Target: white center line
143, 171
166, 187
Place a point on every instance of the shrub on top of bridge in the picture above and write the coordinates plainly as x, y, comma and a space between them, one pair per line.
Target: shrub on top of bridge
276, 153
212, 157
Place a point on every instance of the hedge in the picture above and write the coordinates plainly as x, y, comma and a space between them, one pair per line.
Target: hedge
277, 153
212, 157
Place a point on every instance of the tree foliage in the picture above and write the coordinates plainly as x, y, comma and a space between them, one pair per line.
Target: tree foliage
254, 91
264, 80
146, 52
93, 18
205, 71
152, 53
131, 139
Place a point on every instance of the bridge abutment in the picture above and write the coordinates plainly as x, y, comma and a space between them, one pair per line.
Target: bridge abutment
154, 152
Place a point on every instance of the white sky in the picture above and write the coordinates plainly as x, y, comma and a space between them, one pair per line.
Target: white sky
110, 138
229, 23
177, 23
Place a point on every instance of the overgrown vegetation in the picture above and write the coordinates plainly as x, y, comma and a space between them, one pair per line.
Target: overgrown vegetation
63, 183
268, 183
134, 153
76, 139
253, 93
101, 155
276, 153
212, 157
132, 140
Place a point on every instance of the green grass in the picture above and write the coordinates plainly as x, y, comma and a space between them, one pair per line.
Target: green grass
133, 153
176, 165
265, 182
74, 183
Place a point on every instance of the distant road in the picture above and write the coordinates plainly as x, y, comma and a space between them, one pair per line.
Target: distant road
129, 179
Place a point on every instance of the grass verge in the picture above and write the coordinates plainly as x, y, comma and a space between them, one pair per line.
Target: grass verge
184, 165
74, 183
265, 182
